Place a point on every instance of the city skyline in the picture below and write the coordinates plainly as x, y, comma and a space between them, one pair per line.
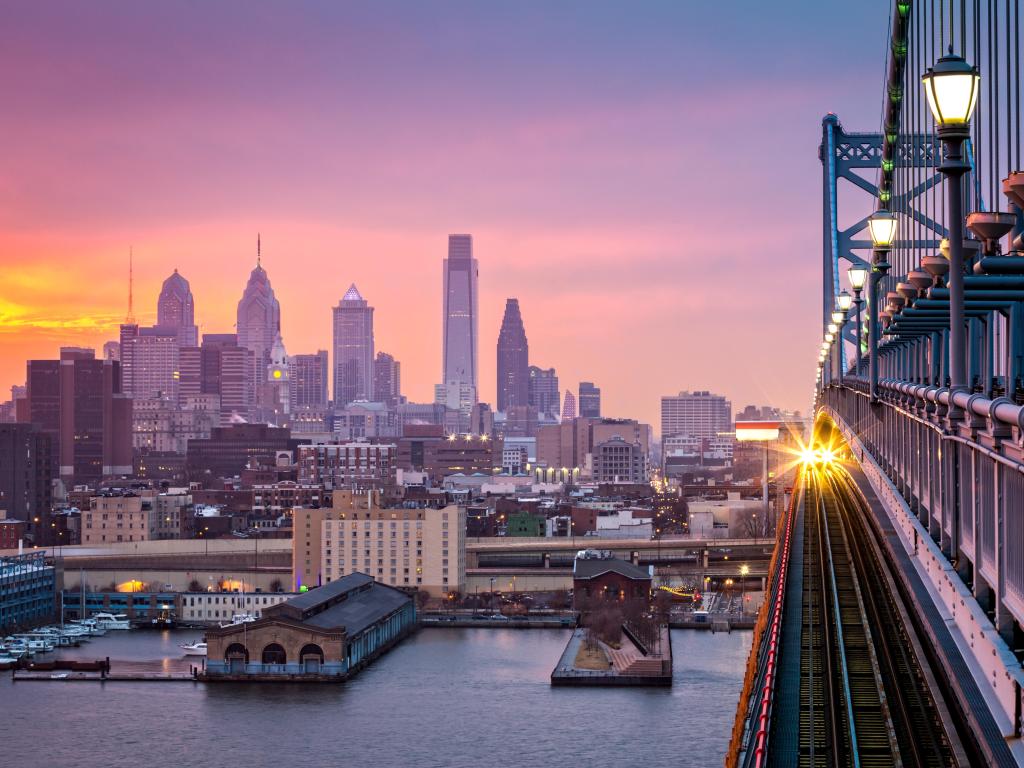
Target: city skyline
586, 183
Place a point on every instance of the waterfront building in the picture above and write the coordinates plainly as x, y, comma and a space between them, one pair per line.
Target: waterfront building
220, 607
327, 633
544, 392
460, 318
698, 414
78, 403
589, 400
28, 595
423, 547
387, 380
25, 478
258, 319
352, 465
175, 308
307, 380
608, 578
513, 359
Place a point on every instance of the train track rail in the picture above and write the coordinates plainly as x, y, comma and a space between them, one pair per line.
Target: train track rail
865, 698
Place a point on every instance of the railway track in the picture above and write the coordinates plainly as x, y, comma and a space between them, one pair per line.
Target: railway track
865, 699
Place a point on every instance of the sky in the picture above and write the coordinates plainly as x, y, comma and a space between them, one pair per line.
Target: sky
642, 176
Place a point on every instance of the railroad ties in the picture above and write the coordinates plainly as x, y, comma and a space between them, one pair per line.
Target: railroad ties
863, 698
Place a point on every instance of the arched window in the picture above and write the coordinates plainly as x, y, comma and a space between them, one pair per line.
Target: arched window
236, 651
274, 654
311, 651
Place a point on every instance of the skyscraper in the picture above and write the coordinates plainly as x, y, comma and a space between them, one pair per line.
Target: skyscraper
259, 319
308, 380
176, 309
460, 313
590, 400
543, 392
569, 406
77, 401
223, 368
353, 349
150, 361
513, 359
387, 380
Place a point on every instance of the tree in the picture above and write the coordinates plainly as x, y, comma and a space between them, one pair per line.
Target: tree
195, 586
422, 599
276, 586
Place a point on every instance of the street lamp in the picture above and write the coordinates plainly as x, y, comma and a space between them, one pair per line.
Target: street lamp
952, 90
858, 276
882, 225
744, 570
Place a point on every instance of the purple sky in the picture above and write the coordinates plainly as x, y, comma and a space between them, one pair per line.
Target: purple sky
642, 176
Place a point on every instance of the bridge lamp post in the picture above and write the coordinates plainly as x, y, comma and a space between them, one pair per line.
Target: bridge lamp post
952, 90
843, 301
838, 320
882, 225
858, 276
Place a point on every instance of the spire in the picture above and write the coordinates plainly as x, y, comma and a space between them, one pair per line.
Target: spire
352, 294
257, 249
130, 319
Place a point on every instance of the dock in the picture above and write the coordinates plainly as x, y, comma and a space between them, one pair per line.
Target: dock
627, 666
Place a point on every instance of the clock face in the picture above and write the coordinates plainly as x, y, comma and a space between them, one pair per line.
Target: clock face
277, 374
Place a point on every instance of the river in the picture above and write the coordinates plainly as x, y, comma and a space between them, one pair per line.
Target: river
470, 698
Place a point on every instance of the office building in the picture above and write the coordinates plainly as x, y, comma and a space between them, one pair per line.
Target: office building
25, 478
78, 403
619, 461
353, 349
460, 318
176, 309
544, 392
162, 426
230, 449
258, 320
697, 414
221, 367
28, 591
569, 406
513, 359
307, 380
387, 380
150, 361
589, 402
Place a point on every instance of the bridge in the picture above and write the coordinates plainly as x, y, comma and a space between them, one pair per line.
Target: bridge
892, 632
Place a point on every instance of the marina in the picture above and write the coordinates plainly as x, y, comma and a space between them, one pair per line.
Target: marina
496, 682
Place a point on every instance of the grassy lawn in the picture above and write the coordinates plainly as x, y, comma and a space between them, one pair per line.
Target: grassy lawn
590, 659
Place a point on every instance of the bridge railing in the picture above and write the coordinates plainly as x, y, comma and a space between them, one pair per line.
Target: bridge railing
962, 480
749, 743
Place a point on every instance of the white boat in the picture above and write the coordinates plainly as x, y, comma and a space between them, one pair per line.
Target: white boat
197, 648
60, 675
112, 620
240, 618
89, 626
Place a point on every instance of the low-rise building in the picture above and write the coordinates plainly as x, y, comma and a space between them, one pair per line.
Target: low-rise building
221, 607
327, 633
115, 518
358, 465
596, 577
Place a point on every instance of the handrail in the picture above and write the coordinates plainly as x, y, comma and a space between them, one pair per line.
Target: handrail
1000, 409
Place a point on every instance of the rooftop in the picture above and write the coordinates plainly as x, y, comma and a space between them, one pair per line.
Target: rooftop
591, 569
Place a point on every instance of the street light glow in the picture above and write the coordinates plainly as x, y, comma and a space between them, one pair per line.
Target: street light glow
882, 225
952, 90
858, 277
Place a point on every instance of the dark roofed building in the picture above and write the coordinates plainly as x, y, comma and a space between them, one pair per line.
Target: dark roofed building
595, 577
327, 633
